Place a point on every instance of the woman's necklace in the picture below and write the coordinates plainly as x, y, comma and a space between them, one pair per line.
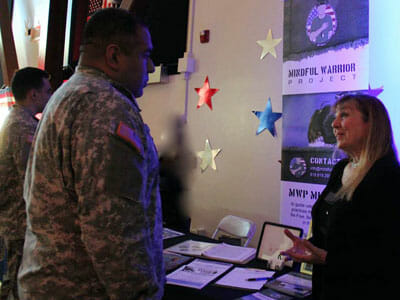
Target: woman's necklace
354, 164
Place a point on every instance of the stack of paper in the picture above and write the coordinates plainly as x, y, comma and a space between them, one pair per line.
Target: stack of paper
190, 247
223, 252
229, 253
198, 273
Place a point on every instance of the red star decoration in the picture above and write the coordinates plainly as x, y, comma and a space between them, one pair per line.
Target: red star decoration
205, 94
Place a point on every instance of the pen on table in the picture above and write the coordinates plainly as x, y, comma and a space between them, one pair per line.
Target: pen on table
259, 278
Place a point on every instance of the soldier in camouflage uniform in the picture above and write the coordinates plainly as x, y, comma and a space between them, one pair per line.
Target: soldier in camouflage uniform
31, 89
94, 227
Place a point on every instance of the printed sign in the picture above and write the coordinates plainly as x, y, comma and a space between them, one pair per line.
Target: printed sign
320, 53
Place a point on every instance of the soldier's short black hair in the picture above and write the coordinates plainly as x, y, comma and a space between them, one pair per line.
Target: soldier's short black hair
111, 25
27, 79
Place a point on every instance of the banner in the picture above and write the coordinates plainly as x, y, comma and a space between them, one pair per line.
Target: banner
299, 199
325, 54
325, 46
308, 153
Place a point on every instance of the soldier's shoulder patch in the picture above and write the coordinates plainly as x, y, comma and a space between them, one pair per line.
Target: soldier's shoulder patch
129, 135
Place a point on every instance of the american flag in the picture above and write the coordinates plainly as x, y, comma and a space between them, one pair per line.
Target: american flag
94, 5
6, 101
6, 98
314, 13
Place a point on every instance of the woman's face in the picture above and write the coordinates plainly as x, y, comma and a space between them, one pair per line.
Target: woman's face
350, 129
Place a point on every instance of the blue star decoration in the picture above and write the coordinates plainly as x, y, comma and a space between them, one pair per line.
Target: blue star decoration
267, 119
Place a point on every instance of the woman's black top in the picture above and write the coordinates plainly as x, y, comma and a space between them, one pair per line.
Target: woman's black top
360, 236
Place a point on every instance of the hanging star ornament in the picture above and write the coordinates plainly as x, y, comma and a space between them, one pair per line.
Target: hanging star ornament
267, 119
208, 157
374, 92
205, 94
268, 45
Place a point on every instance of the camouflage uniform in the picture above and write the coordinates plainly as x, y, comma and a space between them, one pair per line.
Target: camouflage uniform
94, 213
15, 143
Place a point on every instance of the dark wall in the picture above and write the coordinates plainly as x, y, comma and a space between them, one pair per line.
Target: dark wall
1, 77
167, 21
10, 7
168, 26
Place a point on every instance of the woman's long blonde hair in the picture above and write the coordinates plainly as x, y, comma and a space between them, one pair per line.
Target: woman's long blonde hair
378, 143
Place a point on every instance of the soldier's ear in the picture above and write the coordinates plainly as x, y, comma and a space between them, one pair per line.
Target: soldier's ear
112, 56
31, 95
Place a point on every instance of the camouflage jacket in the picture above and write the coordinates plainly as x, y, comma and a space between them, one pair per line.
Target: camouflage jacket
94, 228
15, 142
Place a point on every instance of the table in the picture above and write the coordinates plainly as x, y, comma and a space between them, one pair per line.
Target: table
211, 291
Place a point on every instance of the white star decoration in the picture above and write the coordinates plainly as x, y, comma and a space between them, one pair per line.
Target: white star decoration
268, 45
208, 157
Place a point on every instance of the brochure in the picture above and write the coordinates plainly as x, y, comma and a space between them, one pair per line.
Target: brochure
246, 278
266, 294
198, 273
293, 283
174, 260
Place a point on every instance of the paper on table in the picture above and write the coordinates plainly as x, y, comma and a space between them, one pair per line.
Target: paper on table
190, 247
198, 273
238, 278
174, 260
293, 283
266, 294
230, 253
170, 233
223, 252
289, 278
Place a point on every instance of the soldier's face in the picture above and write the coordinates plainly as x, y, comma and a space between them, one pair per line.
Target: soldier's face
321, 10
136, 66
43, 95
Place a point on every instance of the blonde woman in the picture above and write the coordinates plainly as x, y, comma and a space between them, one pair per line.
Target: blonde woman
356, 220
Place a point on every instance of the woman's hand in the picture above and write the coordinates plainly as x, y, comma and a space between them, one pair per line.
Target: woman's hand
304, 251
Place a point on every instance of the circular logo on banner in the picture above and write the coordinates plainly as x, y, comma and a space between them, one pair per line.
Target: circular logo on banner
321, 24
298, 166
